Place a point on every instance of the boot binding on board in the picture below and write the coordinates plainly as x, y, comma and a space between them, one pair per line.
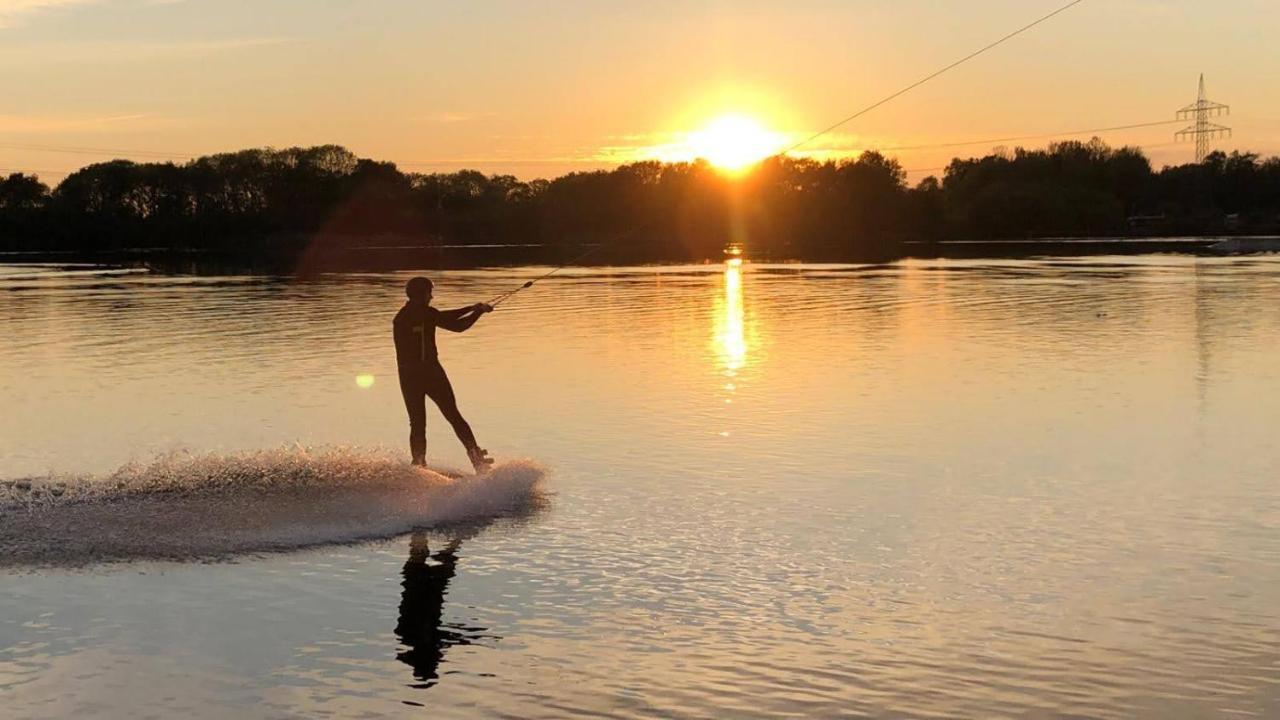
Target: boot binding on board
480, 459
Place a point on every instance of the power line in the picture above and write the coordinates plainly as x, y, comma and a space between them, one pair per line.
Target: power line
513, 161
64, 173
29, 171
1041, 136
82, 150
929, 146
927, 78
1145, 146
568, 161
85, 150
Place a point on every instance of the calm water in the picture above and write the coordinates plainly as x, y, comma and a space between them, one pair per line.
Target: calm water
964, 489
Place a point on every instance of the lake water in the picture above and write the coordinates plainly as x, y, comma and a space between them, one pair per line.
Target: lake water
1034, 488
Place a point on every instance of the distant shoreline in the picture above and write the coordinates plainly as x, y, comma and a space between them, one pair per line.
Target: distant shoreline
324, 208
411, 257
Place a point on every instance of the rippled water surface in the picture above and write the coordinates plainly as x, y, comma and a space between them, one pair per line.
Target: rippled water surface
1040, 488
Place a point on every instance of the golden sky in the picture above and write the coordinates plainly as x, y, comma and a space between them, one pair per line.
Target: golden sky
543, 88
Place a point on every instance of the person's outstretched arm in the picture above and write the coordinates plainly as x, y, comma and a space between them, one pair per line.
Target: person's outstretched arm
462, 318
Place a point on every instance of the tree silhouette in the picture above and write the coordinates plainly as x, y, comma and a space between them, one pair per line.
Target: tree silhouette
307, 203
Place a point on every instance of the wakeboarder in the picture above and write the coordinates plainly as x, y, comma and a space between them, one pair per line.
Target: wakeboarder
421, 374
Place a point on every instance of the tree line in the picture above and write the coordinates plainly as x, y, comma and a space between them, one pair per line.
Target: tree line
281, 202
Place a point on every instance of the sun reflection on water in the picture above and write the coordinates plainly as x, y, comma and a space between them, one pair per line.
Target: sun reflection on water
731, 335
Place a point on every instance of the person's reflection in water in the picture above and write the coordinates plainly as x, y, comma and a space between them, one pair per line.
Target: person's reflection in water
420, 626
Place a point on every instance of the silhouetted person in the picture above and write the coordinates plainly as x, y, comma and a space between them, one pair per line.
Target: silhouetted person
426, 582
422, 376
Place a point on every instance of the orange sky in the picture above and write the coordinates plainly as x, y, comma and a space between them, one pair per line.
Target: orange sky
539, 89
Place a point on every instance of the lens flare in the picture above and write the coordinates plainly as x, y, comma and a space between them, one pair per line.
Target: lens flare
364, 381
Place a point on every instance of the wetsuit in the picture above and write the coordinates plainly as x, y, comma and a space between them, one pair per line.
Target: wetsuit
421, 375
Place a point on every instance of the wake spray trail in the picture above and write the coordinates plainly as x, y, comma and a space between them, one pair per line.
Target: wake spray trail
188, 507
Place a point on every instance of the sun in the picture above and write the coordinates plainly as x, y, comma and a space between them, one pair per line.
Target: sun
734, 142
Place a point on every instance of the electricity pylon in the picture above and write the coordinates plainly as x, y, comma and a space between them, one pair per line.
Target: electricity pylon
1203, 131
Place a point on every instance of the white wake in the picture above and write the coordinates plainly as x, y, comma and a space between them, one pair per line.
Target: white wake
181, 506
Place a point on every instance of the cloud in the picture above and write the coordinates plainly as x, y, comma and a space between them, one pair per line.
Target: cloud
37, 124
199, 47
451, 118
12, 12
98, 52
